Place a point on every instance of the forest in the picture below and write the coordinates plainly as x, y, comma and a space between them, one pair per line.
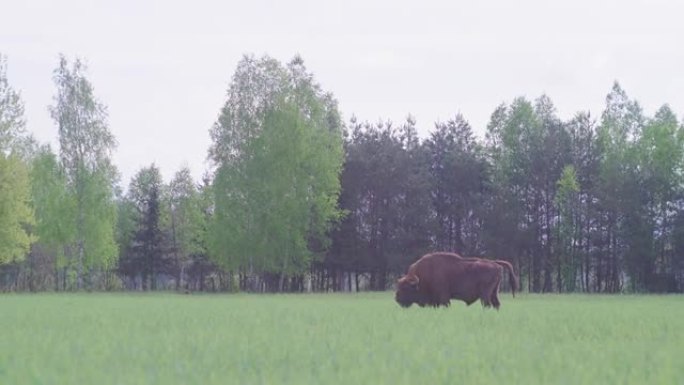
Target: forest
296, 199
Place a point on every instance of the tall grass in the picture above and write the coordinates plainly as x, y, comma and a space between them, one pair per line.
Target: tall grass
338, 339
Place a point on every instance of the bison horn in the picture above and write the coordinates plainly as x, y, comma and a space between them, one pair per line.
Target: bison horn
412, 279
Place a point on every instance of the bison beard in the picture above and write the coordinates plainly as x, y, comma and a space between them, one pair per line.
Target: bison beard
437, 278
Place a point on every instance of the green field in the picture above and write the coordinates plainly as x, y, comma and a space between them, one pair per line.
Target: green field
338, 339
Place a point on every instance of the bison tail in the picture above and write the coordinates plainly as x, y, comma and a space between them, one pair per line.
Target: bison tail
511, 274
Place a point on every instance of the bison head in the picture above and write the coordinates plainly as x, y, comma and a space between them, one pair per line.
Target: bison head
407, 291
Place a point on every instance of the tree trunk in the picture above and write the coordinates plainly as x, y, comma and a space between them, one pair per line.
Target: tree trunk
559, 281
79, 274
281, 283
56, 278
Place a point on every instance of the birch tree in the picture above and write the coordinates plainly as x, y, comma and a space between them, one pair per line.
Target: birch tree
86, 144
16, 214
277, 146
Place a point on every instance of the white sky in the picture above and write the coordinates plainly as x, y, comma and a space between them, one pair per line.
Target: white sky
163, 67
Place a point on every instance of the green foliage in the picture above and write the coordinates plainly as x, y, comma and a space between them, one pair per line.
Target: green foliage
568, 207
652, 192
99, 221
567, 184
12, 123
84, 137
125, 226
338, 339
141, 186
660, 151
591, 205
145, 254
529, 148
187, 219
289, 188
386, 194
16, 214
278, 148
53, 205
459, 183
85, 151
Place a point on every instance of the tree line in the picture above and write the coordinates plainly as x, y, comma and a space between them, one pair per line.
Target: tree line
298, 200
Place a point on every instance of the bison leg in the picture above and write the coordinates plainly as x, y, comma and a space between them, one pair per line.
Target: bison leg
484, 298
495, 295
488, 296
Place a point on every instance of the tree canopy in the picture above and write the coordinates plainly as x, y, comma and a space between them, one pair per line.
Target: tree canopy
296, 199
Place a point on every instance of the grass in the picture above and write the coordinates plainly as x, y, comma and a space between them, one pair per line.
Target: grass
338, 339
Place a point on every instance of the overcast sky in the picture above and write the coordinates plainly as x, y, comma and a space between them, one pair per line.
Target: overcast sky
163, 67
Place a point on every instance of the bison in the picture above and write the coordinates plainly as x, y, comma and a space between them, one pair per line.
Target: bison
437, 278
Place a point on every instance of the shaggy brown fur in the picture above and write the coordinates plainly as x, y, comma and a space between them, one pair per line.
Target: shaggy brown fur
437, 278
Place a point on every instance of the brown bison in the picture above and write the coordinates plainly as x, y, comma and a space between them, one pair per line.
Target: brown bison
437, 278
